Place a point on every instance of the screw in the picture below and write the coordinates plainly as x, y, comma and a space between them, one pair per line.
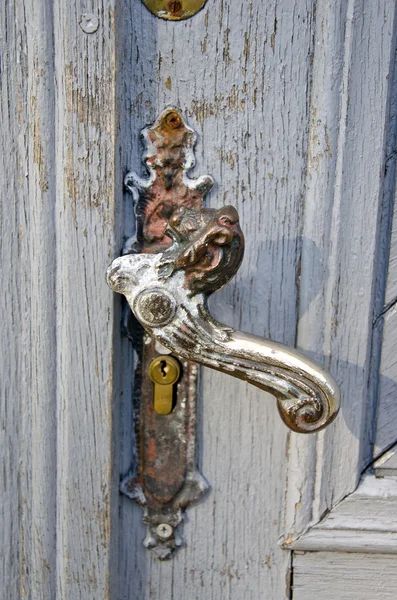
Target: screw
164, 531
173, 120
88, 22
174, 6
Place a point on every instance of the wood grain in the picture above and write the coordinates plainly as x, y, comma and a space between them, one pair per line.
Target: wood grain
386, 465
363, 522
342, 220
292, 103
87, 325
385, 323
59, 232
240, 72
344, 576
386, 422
28, 397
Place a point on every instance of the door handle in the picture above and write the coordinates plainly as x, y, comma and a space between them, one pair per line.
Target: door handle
168, 294
180, 255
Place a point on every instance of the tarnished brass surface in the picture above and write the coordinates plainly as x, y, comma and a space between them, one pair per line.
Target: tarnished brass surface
174, 10
307, 396
164, 371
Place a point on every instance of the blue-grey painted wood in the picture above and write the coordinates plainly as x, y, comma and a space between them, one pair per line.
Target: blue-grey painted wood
241, 74
285, 141
346, 576
87, 238
58, 234
343, 211
386, 465
291, 101
386, 321
28, 313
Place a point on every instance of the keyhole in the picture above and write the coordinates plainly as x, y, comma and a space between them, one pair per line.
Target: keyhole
164, 368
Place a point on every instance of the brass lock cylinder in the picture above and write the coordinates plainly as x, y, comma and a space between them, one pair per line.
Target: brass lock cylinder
164, 371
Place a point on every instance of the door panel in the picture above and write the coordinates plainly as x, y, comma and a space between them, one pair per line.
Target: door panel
292, 104
344, 576
241, 74
58, 221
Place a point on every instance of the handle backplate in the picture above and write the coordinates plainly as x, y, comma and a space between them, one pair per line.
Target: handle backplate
180, 255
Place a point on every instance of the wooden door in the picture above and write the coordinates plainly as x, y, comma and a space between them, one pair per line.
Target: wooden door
294, 104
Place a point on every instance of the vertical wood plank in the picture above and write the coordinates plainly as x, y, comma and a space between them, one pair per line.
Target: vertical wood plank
343, 220
28, 565
241, 73
86, 212
385, 322
40, 454
13, 185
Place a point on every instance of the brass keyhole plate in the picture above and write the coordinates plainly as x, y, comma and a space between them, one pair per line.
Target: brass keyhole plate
174, 10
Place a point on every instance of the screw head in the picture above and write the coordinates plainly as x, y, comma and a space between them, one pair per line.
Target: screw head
89, 23
174, 6
154, 307
173, 120
164, 531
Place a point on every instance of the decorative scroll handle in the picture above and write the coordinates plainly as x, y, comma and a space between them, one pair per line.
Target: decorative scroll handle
168, 293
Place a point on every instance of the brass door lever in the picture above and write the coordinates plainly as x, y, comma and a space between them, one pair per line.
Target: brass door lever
168, 293
183, 253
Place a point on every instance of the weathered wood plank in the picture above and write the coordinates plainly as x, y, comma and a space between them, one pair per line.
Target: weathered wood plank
28, 563
342, 221
87, 346
13, 186
40, 455
385, 323
386, 465
344, 576
363, 522
241, 73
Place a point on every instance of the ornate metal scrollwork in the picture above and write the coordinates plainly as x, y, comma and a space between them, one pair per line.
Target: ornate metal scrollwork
198, 250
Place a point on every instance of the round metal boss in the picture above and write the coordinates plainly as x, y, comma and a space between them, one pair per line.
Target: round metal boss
174, 10
154, 307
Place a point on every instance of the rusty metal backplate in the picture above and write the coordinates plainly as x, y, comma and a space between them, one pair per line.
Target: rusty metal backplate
174, 10
164, 479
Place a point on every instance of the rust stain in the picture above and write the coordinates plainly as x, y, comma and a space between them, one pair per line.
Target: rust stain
71, 182
226, 47
168, 83
38, 152
19, 107
205, 40
246, 50
227, 157
89, 139
91, 103
273, 36
319, 143
222, 104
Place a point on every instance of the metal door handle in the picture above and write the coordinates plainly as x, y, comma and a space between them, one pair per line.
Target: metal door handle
181, 254
168, 293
